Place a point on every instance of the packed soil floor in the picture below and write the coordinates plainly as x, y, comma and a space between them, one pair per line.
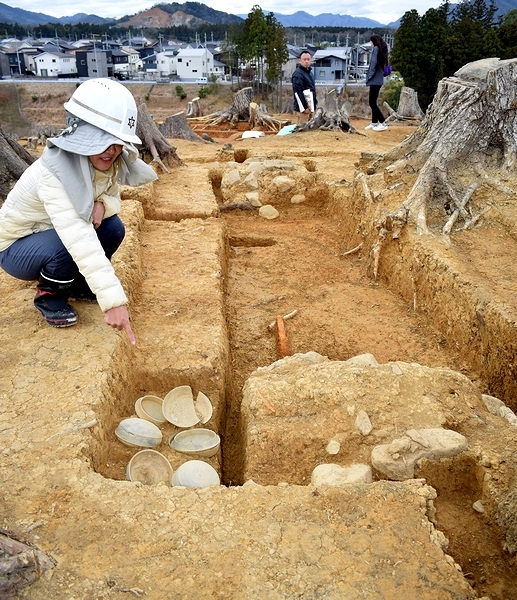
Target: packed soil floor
206, 287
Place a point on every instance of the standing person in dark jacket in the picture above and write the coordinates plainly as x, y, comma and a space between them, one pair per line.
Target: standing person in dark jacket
303, 80
375, 79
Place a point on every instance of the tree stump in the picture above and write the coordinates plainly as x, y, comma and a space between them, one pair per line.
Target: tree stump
20, 565
177, 127
408, 104
329, 120
260, 119
153, 142
240, 111
464, 150
194, 108
408, 108
14, 159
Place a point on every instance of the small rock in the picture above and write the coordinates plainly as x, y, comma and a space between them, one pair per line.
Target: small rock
298, 199
398, 459
363, 423
478, 507
283, 183
232, 178
333, 447
363, 359
253, 199
254, 167
278, 163
251, 181
268, 212
336, 475
396, 369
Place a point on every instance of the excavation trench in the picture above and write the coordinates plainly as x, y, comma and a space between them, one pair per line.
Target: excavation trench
206, 288
212, 285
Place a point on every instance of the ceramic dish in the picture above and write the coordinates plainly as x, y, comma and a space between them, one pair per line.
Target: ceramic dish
201, 442
150, 408
136, 432
196, 474
150, 468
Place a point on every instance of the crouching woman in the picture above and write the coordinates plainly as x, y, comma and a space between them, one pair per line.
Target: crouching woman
59, 224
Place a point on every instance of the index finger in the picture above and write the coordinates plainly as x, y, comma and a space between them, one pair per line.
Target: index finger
130, 334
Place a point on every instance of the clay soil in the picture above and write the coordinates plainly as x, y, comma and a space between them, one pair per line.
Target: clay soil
297, 263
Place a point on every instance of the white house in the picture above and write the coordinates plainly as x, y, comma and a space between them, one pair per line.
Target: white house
134, 61
166, 63
193, 63
55, 64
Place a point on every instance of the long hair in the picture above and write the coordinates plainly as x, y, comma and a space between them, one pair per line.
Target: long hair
382, 56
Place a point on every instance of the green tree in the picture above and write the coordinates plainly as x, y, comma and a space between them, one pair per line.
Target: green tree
507, 35
492, 47
510, 17
464, 45
276, 54
435, 30
407, 52
253, 42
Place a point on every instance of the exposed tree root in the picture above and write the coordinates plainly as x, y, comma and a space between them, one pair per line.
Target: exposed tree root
243, 108
468, 132
153, 142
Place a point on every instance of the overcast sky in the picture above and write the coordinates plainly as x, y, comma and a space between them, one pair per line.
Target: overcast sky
384, 11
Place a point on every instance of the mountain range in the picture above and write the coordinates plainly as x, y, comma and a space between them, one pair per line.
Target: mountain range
194, 14
188, 13
303, 19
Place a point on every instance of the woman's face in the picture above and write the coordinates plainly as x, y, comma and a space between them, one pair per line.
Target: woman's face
103, 161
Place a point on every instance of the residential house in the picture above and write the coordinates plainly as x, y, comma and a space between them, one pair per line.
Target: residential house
5, 70
193, 63
331, 65
56, 64
289, 67
134, 60
166, 63
121, 65
94, 62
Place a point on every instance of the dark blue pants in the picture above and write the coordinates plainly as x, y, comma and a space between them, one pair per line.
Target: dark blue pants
28, 256
377, 116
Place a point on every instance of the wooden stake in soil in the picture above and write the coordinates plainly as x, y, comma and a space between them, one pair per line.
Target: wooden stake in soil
282, 347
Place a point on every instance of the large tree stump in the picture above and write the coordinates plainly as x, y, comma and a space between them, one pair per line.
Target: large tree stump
20, 565
14, 159
176, 126
153, 142
326, 120
466, 143
240, 111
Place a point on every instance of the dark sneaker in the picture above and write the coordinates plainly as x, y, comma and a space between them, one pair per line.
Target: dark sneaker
55, 309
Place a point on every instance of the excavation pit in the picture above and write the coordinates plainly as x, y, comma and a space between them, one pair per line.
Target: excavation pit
202, 313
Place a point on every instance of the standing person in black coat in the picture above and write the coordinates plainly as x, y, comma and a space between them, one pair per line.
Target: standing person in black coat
304, 88
375, 79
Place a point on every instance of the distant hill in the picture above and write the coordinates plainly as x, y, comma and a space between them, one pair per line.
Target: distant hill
26, 17
200, 11
191, 14
303, 19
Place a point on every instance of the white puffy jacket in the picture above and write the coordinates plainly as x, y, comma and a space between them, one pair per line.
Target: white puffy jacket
39, 202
